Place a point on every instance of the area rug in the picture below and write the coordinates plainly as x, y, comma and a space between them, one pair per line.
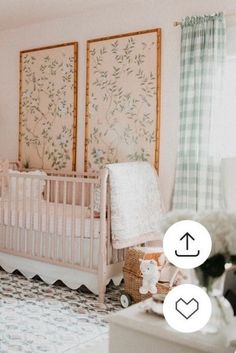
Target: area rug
36, 317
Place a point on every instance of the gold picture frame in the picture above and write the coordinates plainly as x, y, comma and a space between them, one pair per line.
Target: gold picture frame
48, 107
105, 56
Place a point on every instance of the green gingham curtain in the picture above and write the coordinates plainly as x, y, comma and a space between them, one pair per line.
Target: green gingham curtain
197, 181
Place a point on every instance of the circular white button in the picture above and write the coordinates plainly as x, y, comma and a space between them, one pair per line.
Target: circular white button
187, 244
187, 308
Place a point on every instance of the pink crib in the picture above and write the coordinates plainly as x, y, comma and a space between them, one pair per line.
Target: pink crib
49, 227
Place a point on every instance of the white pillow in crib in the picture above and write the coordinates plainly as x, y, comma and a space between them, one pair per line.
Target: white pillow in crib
34, 191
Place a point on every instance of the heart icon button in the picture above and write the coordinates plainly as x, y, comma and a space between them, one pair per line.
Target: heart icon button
187, 309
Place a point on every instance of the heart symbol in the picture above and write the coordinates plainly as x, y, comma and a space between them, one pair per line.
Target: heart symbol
187, 309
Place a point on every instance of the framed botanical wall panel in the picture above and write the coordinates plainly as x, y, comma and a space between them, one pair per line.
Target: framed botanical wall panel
48, 107
123, 99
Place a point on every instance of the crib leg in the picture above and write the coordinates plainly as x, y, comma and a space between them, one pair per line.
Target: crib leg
102, 265
101, 289
101, 296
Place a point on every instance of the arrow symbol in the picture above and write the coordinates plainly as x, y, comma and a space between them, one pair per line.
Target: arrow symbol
188, 237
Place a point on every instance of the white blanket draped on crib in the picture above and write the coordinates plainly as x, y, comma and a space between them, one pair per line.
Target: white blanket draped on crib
135, 203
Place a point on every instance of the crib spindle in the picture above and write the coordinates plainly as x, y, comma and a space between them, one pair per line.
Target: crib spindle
91, 225
109, 247
39, 239
2, 227
47, 241
9, 219
82, 226
31, 215
24, 218
55, 233
13, 220
64, 225
73, 244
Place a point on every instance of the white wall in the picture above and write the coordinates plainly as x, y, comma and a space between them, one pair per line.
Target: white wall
143, 14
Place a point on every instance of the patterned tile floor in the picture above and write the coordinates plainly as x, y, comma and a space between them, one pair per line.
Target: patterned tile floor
36, 317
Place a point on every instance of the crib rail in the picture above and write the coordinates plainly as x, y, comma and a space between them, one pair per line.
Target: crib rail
53, 218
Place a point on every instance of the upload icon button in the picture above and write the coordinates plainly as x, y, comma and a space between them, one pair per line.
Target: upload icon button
187, 244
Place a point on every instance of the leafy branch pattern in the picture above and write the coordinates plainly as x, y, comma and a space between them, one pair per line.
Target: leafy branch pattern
47, 109
121, 106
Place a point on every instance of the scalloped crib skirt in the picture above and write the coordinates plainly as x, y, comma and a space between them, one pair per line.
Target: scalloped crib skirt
50, 273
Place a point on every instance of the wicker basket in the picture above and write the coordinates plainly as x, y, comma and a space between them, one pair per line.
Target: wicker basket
133, 276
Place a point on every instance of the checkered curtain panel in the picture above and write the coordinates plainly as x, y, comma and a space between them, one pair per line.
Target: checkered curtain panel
197, 183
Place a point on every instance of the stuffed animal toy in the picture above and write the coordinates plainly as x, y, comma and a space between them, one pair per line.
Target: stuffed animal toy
151, 274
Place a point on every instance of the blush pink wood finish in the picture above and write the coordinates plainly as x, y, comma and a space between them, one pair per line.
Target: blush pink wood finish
40, 244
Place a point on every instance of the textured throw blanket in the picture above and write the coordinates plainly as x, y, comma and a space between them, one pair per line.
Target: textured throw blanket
135, 203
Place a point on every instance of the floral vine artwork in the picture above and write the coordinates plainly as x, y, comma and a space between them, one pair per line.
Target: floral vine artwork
123, 99
48, 107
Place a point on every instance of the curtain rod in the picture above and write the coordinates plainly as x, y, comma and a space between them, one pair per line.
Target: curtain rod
178, 23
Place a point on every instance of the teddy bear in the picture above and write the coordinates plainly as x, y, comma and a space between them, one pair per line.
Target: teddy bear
151, 274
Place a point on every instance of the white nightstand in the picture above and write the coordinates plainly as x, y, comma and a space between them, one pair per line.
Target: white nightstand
133, 331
